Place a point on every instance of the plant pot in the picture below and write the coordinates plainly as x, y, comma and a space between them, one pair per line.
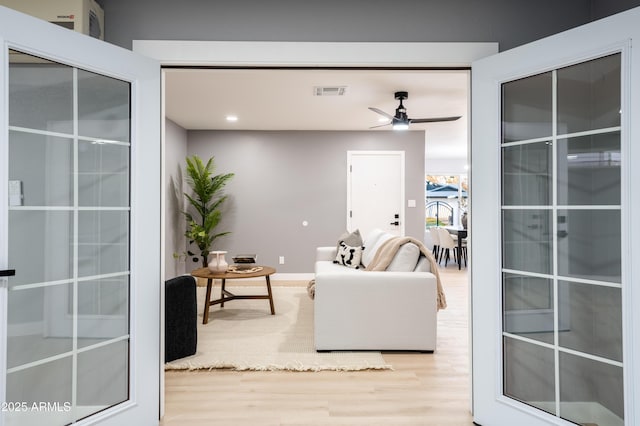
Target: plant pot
217, 262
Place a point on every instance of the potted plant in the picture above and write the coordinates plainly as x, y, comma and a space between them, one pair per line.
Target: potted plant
205, 200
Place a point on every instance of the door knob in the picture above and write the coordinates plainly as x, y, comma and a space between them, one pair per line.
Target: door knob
7, 273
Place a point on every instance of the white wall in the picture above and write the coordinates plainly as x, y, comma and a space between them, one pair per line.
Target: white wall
445, 166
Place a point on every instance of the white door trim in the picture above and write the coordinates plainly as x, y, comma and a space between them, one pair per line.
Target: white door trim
298, 54
316, 54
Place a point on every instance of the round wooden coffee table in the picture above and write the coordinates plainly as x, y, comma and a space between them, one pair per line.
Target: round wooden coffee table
225, 295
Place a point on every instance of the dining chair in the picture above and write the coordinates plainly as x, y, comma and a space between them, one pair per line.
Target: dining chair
435, 239
446, 244
465, 252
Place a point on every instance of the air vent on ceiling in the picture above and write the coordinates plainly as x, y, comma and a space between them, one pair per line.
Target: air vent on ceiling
329, 91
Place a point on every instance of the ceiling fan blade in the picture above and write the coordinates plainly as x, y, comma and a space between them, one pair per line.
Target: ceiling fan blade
381, 112
433, 120
381, 125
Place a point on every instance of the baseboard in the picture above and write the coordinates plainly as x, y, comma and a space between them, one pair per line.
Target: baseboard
293, 276
25, 329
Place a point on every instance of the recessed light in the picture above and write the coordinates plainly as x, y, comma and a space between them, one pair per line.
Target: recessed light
232, 118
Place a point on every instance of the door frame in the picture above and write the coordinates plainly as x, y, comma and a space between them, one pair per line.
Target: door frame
400, 156
41, 38
240, 54
609, 35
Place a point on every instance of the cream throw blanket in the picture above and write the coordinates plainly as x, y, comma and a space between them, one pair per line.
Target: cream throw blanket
387, 251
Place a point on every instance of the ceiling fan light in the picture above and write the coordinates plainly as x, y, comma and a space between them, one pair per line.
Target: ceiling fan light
400, 125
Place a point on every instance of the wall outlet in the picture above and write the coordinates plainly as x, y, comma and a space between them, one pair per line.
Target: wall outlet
281, 260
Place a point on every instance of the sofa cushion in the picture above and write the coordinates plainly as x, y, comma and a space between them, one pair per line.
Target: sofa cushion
423, 265
405, 259
372, 242
349, 256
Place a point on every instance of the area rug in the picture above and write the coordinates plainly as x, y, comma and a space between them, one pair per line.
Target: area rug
245, 336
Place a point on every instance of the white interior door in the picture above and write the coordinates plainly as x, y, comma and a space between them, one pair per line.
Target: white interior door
375, 191
80, 225
554, 160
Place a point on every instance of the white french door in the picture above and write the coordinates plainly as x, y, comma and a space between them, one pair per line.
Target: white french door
554, 163
80, 226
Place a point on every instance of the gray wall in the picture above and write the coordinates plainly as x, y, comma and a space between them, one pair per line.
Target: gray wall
602, 8
175, 153
284, 178
508, 22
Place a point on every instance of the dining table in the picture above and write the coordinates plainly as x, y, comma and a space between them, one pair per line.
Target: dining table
461, 233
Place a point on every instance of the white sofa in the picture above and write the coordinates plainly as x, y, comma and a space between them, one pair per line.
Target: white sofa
356, 309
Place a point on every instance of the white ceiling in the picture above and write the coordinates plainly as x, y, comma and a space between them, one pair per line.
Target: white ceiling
283, 99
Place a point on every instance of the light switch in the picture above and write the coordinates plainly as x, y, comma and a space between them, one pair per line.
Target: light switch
411, 203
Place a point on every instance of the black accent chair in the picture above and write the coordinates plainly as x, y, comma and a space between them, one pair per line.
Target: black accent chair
180, 317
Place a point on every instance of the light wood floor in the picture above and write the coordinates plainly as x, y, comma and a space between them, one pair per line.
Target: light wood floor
423, 389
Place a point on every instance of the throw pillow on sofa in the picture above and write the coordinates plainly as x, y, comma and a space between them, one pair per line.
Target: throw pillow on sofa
423, 265
372, 243
406, 258
353, 239
349, 256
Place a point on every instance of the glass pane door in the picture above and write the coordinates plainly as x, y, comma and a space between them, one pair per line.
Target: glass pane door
561, 242
69, 239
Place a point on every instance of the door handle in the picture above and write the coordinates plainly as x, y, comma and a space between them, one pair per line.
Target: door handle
7, 273
396, 223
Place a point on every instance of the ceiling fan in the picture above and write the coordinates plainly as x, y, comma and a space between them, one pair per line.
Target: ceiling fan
400, 121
